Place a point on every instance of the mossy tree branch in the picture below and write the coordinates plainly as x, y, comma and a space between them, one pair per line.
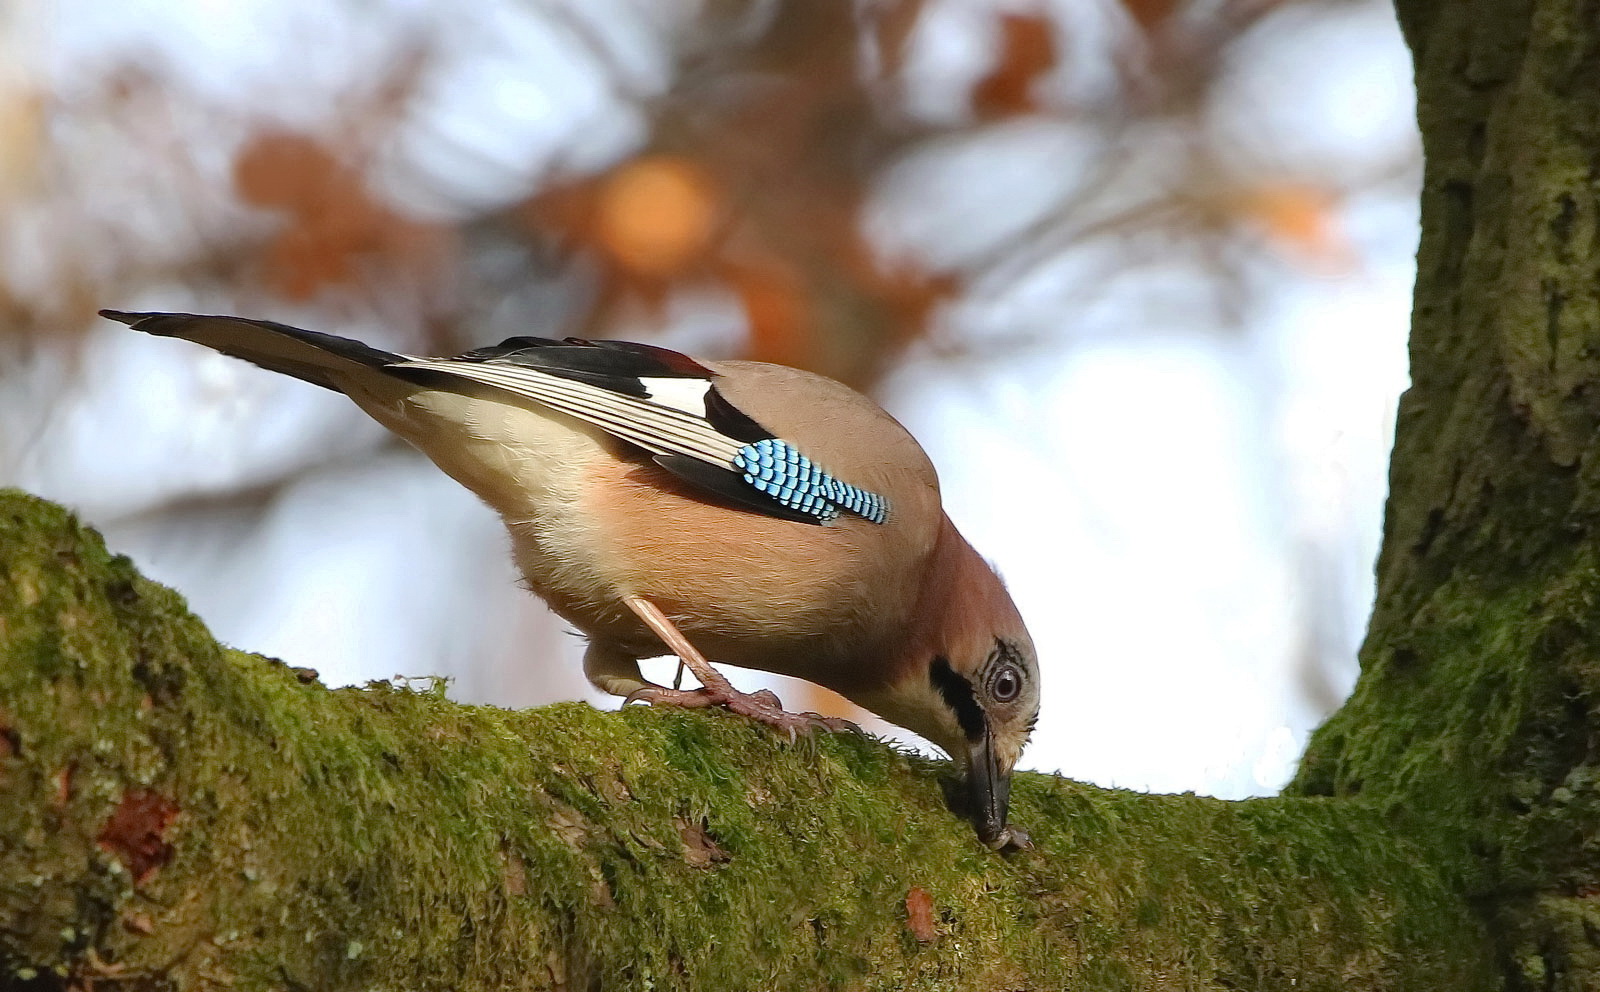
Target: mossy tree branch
182, 815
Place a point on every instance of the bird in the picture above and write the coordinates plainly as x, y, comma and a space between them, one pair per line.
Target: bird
752, 513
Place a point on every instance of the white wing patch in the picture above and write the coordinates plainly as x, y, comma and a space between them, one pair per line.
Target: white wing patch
660, 425
686, 394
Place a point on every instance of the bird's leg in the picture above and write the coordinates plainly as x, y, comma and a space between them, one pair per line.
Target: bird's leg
613, 671
617, 672
715, 683
716, 689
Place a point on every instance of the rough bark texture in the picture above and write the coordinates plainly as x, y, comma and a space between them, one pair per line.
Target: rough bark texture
1481, 672
173, 814
179, 815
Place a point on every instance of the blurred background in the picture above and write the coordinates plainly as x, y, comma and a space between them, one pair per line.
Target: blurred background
1136, 272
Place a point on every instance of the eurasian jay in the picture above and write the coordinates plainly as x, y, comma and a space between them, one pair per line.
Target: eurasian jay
752, 513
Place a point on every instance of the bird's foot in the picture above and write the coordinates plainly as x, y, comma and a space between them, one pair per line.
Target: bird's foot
762, 706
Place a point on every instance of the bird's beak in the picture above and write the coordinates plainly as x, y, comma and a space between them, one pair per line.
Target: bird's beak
988, 791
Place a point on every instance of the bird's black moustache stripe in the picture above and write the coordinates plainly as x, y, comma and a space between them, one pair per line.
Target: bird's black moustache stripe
957, 693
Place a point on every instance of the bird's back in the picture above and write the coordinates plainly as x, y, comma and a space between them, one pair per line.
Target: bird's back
769, 593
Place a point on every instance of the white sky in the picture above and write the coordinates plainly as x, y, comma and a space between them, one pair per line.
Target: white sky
1146, 490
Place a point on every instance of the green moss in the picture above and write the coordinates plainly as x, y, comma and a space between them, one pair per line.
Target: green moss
386, 838
1473, 721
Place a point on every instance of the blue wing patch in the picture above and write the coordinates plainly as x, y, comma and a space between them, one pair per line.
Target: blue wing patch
776, 468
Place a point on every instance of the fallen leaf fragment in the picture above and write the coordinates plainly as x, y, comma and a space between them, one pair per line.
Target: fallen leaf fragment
700, 849
135, 833
919, 914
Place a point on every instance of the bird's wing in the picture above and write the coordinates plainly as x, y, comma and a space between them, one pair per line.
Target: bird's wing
662, 402
668, 405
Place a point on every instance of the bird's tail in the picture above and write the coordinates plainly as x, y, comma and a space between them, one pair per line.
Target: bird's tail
324, 359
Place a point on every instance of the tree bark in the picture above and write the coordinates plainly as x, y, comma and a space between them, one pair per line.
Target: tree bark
1480, 681
177, 815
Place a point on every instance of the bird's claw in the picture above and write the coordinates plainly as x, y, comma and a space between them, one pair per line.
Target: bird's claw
656, 695
763, 706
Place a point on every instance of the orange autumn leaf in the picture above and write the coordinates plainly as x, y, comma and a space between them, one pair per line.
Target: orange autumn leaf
796, 263
331, 222
1027, 52
1299, 217
301, 260
289, 172
656, 215
328, 216
778, 309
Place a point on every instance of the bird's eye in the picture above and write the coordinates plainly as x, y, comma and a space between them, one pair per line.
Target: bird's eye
1006, 684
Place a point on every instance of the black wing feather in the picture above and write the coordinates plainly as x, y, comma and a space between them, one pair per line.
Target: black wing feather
730, 485
730, 421
186, 325
615, 365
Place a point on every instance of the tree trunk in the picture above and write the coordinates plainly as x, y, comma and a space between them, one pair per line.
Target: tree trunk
1480, 676
176, 815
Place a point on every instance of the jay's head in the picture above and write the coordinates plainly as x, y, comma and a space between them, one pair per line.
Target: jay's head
990, 703
972, 682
